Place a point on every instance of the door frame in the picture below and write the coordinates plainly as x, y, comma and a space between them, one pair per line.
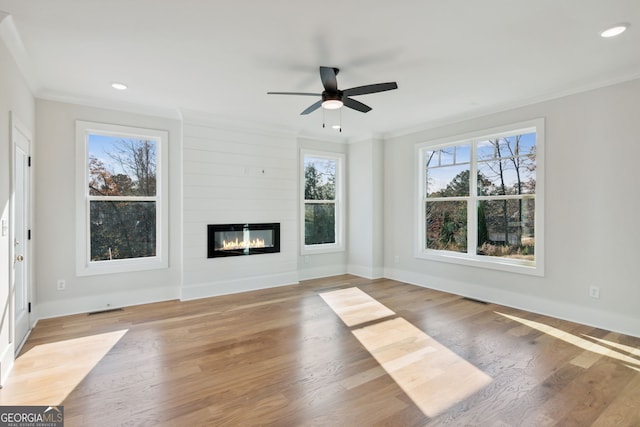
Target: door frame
17, 126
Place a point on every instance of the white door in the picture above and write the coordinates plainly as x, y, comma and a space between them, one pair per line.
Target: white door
20, 231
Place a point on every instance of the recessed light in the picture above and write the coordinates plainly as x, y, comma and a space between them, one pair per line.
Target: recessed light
336, 127
616, 30
119, 86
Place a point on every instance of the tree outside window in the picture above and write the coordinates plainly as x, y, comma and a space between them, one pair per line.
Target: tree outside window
121, 208
321, 207
479, 198
122, 197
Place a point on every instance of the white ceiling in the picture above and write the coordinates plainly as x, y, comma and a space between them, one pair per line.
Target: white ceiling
452, 59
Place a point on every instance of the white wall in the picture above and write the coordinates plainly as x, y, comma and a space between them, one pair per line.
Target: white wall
313, 266
54, 231
591, 219
366, 181
15, 97
237, 176
221, 173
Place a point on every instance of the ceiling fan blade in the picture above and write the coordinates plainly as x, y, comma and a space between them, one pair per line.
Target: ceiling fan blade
294, 93
313, 107
356, 105
328, 77
363, 90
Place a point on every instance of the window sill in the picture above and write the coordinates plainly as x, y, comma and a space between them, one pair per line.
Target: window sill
321, 249
121, 266
501, 264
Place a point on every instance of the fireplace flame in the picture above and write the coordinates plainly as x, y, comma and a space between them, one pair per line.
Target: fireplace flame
242, 244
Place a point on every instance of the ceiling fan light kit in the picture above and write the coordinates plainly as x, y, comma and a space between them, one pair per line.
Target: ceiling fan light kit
331, 104
332, 98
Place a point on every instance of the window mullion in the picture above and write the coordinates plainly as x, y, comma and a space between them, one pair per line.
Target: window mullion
472, 205
319, 202
87, 215
508, 197
123, 198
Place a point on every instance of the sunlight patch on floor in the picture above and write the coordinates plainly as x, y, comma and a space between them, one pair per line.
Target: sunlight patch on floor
590, 346
625, 348
46, 374
433, 376
355, 307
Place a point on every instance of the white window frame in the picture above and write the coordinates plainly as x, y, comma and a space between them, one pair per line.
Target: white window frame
470, 258
84, 265
339, 203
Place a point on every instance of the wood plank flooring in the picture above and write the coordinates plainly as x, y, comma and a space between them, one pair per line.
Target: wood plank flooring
284, 357
46, 374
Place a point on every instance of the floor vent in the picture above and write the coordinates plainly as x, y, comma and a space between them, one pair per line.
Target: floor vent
109, 310
475, 300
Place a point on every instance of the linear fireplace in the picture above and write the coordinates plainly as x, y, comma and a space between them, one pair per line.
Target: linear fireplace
242, 239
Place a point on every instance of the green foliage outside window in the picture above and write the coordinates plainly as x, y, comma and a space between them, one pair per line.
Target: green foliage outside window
320, 206
505, 190
122, 191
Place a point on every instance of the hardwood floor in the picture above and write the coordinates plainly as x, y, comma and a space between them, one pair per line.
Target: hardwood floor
403, 356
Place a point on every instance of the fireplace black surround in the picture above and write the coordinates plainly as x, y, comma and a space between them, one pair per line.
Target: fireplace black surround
225, 240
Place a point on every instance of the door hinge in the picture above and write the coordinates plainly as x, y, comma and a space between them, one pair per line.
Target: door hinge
28, 234
29, 308
29, 161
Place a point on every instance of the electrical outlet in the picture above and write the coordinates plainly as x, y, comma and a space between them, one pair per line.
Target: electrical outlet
594, 292
61, 285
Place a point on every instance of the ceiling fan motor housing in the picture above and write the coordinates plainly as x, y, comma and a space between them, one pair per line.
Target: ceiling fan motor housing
331, 96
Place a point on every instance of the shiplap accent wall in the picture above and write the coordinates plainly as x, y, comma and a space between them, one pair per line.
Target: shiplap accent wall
237, 176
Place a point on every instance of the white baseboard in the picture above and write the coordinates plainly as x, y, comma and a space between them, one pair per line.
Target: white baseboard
366, 272
587, 316
320, 272
104, 302
597, 318
225, 287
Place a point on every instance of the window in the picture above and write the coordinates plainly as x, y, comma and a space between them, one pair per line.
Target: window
322, 209
481, 199
122, 209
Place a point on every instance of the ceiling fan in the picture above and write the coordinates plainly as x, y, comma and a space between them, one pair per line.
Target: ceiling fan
333, 98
